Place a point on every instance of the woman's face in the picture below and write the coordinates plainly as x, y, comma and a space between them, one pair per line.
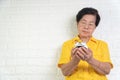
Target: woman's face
86, 25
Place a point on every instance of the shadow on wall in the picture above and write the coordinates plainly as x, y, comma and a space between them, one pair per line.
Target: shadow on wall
59, 75
72, 32
72, 28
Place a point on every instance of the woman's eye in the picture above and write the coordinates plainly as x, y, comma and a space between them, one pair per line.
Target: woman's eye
83, 23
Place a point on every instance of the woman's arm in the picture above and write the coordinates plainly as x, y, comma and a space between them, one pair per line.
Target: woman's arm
100, 67
68, 69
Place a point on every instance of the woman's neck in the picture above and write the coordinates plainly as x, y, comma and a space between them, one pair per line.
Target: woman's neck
84, 39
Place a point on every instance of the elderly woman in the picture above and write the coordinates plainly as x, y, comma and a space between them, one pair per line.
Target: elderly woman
84, 57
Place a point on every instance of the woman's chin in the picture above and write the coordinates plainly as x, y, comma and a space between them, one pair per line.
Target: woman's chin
84, 35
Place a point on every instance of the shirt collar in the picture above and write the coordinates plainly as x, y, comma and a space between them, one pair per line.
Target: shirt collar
77, 39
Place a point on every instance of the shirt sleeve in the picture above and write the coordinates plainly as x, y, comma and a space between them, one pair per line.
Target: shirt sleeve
106, 54
65, 55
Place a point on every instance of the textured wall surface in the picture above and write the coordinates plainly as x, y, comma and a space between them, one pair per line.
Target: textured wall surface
32, 32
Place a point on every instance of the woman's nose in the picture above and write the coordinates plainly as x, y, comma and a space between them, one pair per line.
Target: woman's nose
86, 26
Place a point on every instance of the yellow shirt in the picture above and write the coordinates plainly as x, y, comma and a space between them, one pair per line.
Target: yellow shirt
84, 71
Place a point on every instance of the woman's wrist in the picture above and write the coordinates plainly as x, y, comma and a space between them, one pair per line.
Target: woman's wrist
91, 60
75, 61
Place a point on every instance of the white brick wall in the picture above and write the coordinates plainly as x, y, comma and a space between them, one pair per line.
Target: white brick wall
32, 32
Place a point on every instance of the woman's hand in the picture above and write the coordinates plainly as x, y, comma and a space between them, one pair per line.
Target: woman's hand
77, 54
82, 53
88, 54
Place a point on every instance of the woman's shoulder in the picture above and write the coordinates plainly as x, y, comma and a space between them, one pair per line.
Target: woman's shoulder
100, 41
70, 41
